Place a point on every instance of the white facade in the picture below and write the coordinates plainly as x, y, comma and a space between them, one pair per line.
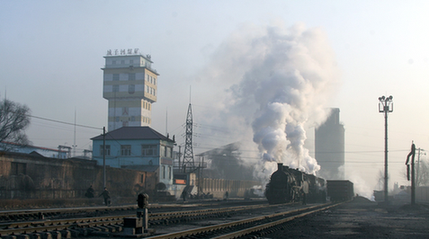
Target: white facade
130, 86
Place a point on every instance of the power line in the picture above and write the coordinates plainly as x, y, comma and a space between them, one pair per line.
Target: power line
62, 122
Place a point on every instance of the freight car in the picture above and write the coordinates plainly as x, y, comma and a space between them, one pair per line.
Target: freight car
340, 190
291, 185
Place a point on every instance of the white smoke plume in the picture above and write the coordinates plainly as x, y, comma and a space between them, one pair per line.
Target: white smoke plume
281, 79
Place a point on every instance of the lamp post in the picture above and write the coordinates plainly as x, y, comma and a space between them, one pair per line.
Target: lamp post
385, 106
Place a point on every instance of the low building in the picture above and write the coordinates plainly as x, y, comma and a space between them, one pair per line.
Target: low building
32, 176
62, 152
140, 148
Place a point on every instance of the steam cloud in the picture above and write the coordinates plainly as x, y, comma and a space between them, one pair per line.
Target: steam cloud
281, 81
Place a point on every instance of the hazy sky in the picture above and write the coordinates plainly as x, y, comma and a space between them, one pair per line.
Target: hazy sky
52, 52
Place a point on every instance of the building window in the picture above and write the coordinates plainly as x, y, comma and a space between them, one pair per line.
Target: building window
169, 172
132, 76
131, 89
115, 77
141, 178
115, 88
163, 172
162, 150
149, 150
113, 62
131, 62
107, 150
154, 81
18, 168
168, 152
125, 150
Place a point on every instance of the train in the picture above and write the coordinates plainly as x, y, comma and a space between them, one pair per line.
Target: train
340, 190
291, 185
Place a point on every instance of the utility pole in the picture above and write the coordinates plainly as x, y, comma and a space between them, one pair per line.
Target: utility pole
418, 165
385, 106
180, 155
104, 157
413, 175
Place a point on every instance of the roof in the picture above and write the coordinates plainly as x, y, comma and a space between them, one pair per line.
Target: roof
133, 132
29, 146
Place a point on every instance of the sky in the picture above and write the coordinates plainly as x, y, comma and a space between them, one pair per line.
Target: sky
52, 55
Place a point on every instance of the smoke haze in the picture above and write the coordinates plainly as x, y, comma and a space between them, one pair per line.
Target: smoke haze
280, 82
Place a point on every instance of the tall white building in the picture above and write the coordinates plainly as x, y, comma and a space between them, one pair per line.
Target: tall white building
130, 86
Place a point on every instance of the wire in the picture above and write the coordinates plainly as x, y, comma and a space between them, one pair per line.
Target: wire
62, 122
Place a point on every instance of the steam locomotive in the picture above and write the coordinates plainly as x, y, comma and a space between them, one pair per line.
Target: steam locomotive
291, 185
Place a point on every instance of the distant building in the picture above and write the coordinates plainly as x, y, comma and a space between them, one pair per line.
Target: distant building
329, 147
225, 162
141, 148
130, 86
62, 152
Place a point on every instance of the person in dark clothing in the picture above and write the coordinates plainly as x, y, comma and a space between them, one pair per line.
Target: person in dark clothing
90, 192
106, 196
184, 195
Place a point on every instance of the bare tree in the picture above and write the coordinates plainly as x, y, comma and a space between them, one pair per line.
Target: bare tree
14, 119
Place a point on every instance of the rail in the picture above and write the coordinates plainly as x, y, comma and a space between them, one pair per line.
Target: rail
251, 225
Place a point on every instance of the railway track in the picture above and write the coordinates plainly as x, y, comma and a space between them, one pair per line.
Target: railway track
54, 213
112, 225
76, 227
248, 228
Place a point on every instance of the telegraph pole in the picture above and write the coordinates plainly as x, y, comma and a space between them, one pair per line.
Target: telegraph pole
418, 165
104, 157
385, 106
413, 173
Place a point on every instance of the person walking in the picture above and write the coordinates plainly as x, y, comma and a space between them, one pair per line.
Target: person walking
106, 196
184, 195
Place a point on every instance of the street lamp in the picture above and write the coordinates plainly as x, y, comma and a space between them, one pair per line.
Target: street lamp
385, 106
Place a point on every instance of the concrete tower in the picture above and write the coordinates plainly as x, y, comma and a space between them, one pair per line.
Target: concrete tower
130, 86
329, 147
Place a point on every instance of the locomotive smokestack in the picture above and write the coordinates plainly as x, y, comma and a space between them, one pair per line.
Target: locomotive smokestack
280, 166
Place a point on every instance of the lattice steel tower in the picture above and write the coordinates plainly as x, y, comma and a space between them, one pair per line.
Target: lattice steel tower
188, 154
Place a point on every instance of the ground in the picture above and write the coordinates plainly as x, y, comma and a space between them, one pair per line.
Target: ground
361, 218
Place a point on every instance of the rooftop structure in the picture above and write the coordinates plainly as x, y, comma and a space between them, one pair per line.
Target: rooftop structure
130, 86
